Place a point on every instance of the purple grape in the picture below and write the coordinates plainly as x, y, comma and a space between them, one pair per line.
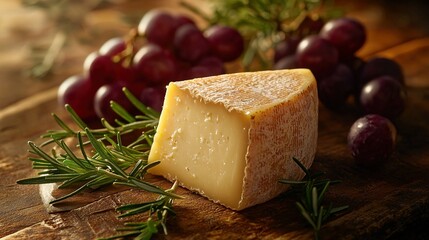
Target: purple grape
287, 62
190, 43
183, 20
154, 65
112, 47
371, 140
336, 88
158, 27
209, 66
103, 97
286, 48
100, 69
153, 97
78, 92
384, 96
346, 34
380, 66
317, 54
225, 42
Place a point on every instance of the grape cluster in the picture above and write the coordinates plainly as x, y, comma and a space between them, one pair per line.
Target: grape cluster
377, 85
171, 48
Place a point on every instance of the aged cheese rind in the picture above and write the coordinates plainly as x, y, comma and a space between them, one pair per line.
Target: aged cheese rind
277, 110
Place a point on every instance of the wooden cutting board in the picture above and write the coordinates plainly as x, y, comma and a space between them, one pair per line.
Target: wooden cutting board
389, 203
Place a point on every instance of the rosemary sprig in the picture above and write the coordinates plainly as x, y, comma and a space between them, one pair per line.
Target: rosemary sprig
264, 23
311, 192
102, 160
158, 211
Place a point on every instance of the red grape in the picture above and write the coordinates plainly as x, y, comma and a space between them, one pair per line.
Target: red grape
103, 97
225, 42
371, 140
153, 97
158, 27
317, 54
380, 66
112, 47
337, 87
209, 66
190, 43
346, 34
155, 65
286, 48
100, 69
287, 62
384, 96
182, 20
78, 92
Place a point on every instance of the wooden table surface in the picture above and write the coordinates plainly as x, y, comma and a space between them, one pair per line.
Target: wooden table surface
391, 203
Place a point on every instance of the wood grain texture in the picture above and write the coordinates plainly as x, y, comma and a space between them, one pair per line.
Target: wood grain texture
389, 203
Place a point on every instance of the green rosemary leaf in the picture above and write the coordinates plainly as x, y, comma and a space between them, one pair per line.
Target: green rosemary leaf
136, 210
305, 214
75, 117
97, 144
116, 169
323, 191
78, 178
303, 168
35, 180
118, 109
146, 167
140, 106
82, 150
338, 209
48, 158
292, 182
71, 155
78, 190
314, 201
62, 124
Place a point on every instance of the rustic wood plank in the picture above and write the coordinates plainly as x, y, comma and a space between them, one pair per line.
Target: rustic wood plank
383, 204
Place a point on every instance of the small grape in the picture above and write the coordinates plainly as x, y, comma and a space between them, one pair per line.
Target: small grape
225, 42
78, 92
158, 27
380, 66
183, 20
287, 62
286, 48
317, 54
99, 68
190, 43
336, 88
209, 66
346, 34
153, 97
154, 65
384, 96
112, 47
103, 97
372, 140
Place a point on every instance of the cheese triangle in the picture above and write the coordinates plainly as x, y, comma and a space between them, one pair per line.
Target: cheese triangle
232, 137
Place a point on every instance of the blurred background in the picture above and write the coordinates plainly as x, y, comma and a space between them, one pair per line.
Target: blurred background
29, 28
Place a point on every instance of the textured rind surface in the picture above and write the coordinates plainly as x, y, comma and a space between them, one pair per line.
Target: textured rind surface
273, 147
282, 107
249, 92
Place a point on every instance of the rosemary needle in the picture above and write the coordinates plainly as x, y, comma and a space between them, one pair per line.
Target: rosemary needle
311, 192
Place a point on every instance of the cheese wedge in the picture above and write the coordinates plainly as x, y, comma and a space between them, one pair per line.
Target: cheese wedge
232, 137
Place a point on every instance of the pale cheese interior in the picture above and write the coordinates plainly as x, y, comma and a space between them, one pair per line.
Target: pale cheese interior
202, 146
